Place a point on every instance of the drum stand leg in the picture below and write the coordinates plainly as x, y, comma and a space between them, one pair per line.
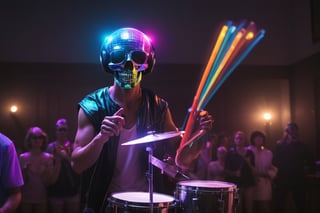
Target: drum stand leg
150, 177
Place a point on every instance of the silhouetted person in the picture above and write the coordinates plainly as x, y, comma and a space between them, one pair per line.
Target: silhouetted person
64, 193
264, 173
239, 170
293, 160
216, 169
38, 171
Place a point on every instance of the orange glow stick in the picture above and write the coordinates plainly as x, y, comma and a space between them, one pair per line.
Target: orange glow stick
233, 46
241, 45
192, 114
253, 38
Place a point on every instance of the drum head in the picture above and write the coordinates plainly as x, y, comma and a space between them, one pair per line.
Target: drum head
206, 185
142, 197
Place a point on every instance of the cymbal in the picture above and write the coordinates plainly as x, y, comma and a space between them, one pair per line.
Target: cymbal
154, 137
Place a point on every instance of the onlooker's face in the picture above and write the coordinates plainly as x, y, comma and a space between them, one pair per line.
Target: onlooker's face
36, 141
221, 155
239, 139
258, 141
62, 130
292, 133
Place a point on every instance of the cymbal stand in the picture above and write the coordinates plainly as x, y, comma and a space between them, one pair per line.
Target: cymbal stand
150, 177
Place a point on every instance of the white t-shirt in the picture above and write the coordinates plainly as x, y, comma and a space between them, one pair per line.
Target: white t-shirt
127, 175
264, 167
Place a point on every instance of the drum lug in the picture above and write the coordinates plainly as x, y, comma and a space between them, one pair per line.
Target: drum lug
236, 200
195, 205
221, 205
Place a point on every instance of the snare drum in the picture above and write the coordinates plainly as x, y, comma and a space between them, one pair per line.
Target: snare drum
134, 202
205, 196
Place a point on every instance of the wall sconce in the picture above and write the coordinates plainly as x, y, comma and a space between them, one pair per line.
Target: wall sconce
267, 118
13, 109
16, 119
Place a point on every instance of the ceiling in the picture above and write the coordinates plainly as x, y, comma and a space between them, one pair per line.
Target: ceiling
182, 31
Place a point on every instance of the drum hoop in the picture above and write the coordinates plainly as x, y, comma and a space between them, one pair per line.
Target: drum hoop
135, 204
182, 185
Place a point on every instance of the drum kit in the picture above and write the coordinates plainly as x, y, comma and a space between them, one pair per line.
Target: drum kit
191, 195
233, 44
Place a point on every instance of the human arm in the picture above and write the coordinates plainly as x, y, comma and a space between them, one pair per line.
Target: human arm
88, 144
52, 170
25, 166
271, 170
11, 176
13, 200
188, 153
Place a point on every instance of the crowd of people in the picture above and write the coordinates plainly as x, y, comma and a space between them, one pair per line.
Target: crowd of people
267, 179
41, 179
80, 176
47, 182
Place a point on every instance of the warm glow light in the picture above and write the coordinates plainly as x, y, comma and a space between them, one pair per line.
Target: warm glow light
13, 108
267, 116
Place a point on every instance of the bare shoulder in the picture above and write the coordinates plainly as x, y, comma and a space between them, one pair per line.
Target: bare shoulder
24, 155
47, 155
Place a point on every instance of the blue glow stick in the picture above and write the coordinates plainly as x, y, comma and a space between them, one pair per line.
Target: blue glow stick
240, 59
218, 58
228, 40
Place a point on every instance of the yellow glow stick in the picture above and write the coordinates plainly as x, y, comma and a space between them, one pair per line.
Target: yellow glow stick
192, 114
240, 46
254, 40
223, 62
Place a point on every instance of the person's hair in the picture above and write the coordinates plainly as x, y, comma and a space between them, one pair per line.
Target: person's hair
257, 134
292, 126
222, 149
61, 121
243, 136
238, 132
33, 131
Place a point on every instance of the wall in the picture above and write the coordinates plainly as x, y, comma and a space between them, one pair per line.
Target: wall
183, 32
47, 92
306, 100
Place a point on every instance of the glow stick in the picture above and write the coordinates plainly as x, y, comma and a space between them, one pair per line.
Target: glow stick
222, 51
234, 44
237, 49
229, 38
190, 122
239, 60
243, 43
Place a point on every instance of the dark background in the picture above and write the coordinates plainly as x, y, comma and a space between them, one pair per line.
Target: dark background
49, 59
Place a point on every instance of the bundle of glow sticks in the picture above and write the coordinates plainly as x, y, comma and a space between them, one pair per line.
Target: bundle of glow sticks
232, 46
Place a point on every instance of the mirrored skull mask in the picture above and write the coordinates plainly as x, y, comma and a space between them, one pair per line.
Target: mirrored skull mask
128, 54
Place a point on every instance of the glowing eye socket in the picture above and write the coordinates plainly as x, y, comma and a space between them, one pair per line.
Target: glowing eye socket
118, 56
138, 57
